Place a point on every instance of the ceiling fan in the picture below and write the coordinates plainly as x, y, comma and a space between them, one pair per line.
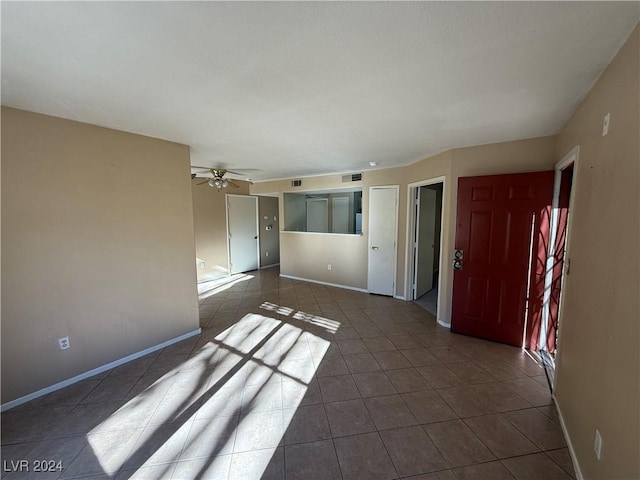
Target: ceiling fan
218, 178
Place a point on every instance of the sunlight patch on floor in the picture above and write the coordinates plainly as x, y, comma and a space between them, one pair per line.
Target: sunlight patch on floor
213, 287
227, 407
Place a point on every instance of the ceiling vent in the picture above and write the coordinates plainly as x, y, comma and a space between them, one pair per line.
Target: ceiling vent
354, 177
296, 183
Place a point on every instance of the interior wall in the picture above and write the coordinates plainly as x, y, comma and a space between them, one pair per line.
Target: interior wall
97, 246
269, 239
597, 364
508, 157
210, 224
307, 255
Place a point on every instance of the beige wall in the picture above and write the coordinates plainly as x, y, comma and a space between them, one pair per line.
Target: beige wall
598, 368
509, 157
269, 239
97, 237
306, 255
210, 224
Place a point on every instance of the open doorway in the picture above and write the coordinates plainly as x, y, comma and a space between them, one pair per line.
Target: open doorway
558, 262
427, 236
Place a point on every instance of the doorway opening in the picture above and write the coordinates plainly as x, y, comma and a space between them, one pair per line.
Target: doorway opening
426, 238
558, 262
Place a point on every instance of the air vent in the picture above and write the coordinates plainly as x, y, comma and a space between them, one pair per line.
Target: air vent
354, 177
296, 183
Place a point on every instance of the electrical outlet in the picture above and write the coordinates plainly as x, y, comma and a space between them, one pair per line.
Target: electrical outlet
597, 444
605, 124
329, 267
63, 343
202, 264
266, 254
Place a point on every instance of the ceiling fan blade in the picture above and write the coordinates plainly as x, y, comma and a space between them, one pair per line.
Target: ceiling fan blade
231, 184
236, 173
202, 183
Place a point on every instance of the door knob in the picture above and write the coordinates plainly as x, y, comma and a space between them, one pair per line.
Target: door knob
374, 248
457, 264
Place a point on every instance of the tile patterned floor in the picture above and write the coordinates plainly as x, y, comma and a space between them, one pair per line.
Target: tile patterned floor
291, 380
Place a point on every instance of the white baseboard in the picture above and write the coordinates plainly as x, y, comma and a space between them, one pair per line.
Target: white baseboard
399, 297
291, 277
567, 438
95, 371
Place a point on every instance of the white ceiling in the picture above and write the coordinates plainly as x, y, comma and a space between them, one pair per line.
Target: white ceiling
293, 89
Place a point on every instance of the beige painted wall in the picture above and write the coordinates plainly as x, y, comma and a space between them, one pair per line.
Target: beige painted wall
306, 255
598, 367
269, 239
97, 237
509, 157
210, 224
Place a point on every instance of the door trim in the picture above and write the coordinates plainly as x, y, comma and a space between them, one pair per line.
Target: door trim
395, 229
570, 158
226, 206
325, 201
333, 213
411, 225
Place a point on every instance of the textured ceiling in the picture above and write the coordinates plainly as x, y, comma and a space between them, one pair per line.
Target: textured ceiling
293, 89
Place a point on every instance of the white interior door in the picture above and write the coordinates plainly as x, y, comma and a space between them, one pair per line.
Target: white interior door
383, 230
242, 224
317, 215
341, 215
425, 238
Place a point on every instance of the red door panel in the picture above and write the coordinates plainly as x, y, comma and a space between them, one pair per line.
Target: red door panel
495, 218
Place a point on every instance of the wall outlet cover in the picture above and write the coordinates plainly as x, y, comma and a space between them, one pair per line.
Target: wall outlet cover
63, 343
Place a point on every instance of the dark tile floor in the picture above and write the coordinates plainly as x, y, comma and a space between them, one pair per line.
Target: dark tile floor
300, 381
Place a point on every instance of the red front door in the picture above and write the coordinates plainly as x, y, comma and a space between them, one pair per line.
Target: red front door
500, 237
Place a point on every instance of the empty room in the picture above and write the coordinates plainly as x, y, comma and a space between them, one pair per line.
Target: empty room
320, 240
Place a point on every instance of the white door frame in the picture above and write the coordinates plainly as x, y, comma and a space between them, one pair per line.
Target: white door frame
570, 158
395, 229
326, 205
411, 225
333, 213
226, 201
